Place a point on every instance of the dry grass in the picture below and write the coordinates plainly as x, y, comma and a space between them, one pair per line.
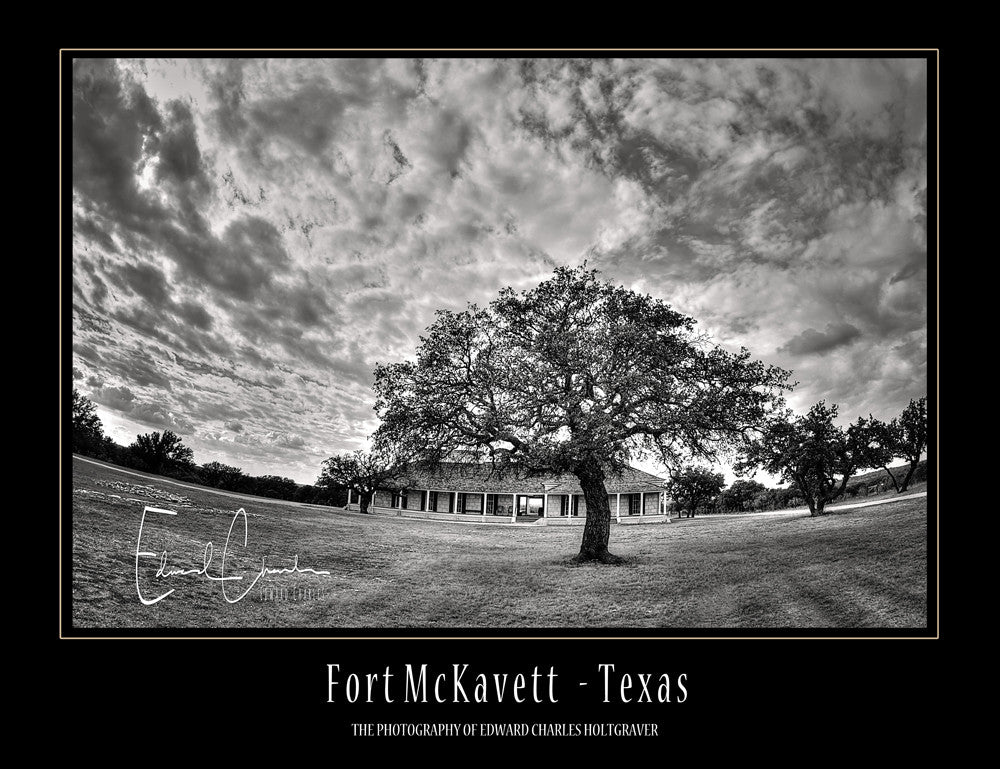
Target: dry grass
864, 568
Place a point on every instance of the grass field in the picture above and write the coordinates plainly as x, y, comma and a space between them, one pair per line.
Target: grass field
864, 568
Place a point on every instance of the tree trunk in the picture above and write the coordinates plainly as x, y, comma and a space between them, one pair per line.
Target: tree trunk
597, 529
812, 506
820, 504
363, 500
909, 474
895, 483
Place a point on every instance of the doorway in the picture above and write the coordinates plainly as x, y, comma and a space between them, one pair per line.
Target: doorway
530, 507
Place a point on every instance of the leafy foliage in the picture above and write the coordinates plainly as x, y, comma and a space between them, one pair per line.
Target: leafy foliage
224, 476
811, 451
912, 436
881, 445
695, 487
358, 471
739, 497
156, 451
574, 375
905, 437
88, 432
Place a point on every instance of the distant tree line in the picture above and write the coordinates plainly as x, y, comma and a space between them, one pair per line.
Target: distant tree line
818, 459
165, 454
695, 490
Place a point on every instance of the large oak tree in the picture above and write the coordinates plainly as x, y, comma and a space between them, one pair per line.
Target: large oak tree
576, 375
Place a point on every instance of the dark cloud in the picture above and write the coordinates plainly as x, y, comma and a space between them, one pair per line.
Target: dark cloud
227, 89
451, 138
179, 155
86, 352
89, 230
112, 118
117, 398
308, 116
813, 342
156, 415
146, 281
135, 365
194, 314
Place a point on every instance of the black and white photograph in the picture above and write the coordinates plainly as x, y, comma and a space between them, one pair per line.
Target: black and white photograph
482, 345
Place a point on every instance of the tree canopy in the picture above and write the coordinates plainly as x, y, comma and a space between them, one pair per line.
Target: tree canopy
88, 432
361, 472
810, 451
905, 437
157, 452
911, 436
695, 487
880, 445
741, 495
576, 375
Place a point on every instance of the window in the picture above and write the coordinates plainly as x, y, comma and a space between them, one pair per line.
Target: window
432, 500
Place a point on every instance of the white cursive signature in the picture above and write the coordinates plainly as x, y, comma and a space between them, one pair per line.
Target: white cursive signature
163, 571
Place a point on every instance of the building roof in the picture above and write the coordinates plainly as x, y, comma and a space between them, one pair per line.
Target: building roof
484, 479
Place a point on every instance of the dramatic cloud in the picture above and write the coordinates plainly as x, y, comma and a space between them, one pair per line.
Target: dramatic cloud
812, 341
250, 237
115, 398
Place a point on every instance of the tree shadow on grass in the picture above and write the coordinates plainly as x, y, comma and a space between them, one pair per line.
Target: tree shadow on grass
617, 561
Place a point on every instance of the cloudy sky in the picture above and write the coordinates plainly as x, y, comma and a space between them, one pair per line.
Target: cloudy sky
251, 237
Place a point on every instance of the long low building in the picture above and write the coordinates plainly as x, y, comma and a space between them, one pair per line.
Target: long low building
455, 488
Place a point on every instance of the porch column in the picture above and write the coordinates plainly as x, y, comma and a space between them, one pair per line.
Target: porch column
348, 497
513, 510
484, 507
618, 506
545, 506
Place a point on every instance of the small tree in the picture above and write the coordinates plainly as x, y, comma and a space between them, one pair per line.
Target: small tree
911, 434
695, 487
156, 453
811, 451
739, 497
88, 432
274, 486
358, 471
223, 476
881, 445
